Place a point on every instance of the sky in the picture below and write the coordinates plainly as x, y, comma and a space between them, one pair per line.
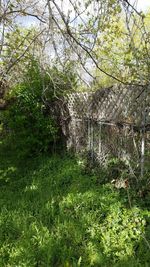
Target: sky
142, 5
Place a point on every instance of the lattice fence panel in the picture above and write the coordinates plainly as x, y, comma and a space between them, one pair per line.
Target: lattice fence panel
108, 123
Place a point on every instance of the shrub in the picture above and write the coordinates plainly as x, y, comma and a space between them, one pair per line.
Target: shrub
33, 117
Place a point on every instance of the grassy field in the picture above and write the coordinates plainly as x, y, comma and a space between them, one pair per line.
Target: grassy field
54, 213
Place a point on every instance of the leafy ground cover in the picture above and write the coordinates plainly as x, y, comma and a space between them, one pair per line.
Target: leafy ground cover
53, 213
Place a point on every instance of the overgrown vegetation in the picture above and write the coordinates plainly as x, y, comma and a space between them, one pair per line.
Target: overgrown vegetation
59, 210
53, 213
33, 117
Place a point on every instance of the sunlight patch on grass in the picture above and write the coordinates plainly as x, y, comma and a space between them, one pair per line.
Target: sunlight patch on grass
55, 215
32, 187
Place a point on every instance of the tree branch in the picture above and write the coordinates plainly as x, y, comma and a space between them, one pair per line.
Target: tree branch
21, 12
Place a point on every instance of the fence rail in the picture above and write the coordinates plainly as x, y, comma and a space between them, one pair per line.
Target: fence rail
109, 123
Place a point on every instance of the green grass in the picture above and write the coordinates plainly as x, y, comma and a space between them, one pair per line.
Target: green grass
54, 214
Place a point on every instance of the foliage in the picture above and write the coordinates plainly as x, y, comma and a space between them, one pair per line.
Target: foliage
32, 120
122, 50
116, 41
17, 52
54, 211
54, 215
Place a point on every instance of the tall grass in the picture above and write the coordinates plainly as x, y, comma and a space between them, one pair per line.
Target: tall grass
54, 214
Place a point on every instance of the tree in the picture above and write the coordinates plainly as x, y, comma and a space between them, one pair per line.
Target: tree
85, 24
15, 41
84, 31
117, 55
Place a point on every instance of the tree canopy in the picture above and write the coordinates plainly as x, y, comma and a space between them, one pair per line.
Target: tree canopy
100, 35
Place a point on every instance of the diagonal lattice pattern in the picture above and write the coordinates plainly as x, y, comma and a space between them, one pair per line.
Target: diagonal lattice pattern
109, 122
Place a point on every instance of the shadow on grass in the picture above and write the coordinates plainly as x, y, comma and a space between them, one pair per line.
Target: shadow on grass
54, 215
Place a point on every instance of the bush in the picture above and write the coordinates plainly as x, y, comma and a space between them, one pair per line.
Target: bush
33, 117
